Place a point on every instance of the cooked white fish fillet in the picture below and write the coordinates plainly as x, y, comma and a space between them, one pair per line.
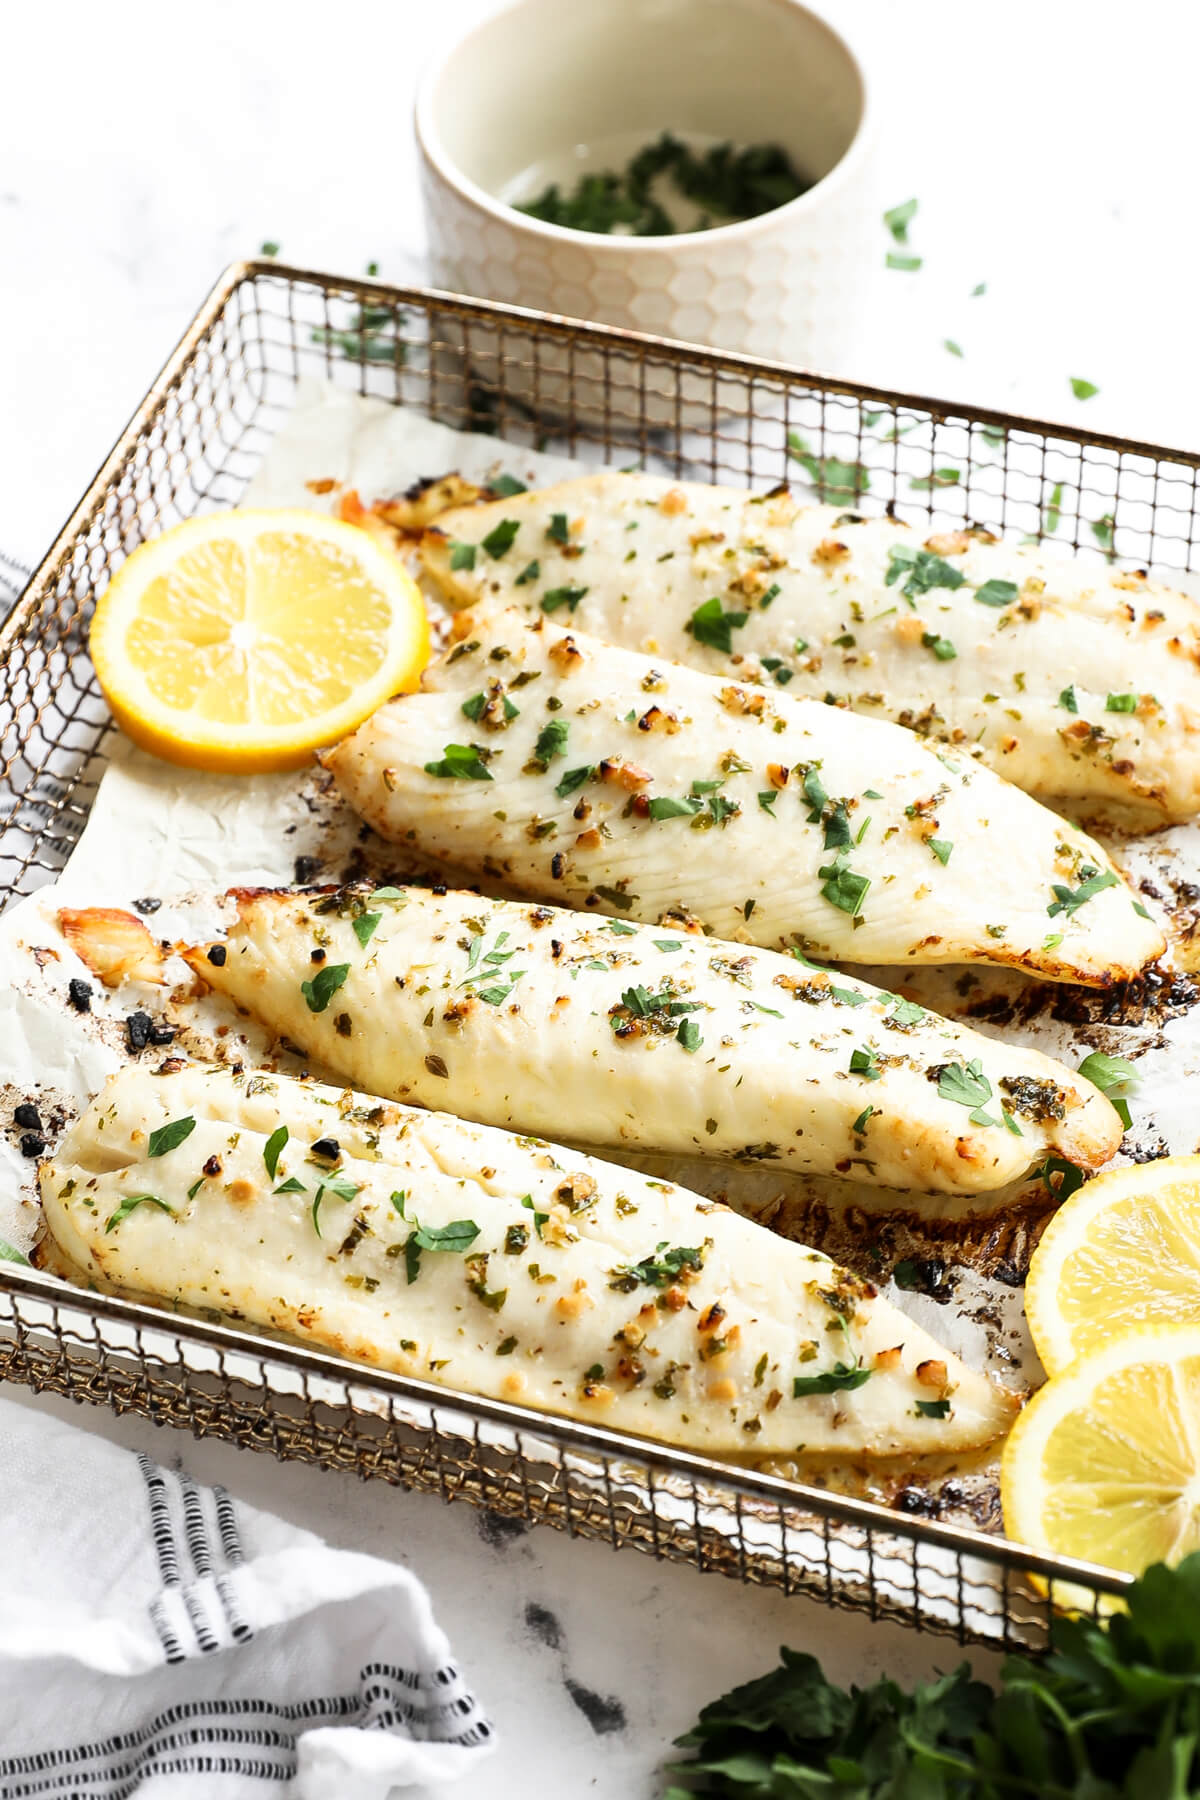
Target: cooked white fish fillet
613, 1034
1068, 678
595, 777
497, 1266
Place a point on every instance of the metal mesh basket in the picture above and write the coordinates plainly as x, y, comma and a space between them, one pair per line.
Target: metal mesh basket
604, 396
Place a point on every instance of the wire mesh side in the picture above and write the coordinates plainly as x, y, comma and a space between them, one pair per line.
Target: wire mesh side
606, 398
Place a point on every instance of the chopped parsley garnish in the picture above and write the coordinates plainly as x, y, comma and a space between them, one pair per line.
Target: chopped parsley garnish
838, 835
860, 1124
1053, 512
324, 985
290, 1186
1121, 703
814, 793
664, 807
997, 593
843, 888
460, 762
941, 848
906, 1012
126, 1206
899, 218
529, 573
619, 928
364, 927
942, 648
551, 740
574, 778
872, 794
554, 598
841, 1376
500, 538
834, 478
689, 1035
454, 1238
938, 478
898, 259
1114, 1076
170, 1136
462, 556
273, 1148
711, 625
1083, 390
559, 529
846, 996
1067, 699
657, 1270
1068, 900
968, 1087
1103, 529
922, 571
949, 345
865, 1062
979, 288
932, 1409
475, 707
767, 800
505, 486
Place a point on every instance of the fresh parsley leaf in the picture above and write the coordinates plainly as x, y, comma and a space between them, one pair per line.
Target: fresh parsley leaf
932, 1409
938, 478
842, 1376
843, 888
324, 985
865, 1062
476, 706
1121, 703
949, 345
897, 259
847, 996
273, 1149
711, 625
967, 1086
1069, 901
290, 1186
689, 1035
899, 218
619, 928
529, 573
1083, 390
1067, 699
942, 648
657, 1270
834, 478
126, 1206
574, 778
268, 248
559, 528
941, 848
170, 1136
767, 800
364, 927
922, 571
1060, 1178
1052, 515
506, 486
339, 1186
814, 792
1102, 530
664, 807
860, 1124
568, 596
460, 762
10, 1253
1114, 1076
462, 556
906, 1012
979, 288
500, 538
552, 740
997, 593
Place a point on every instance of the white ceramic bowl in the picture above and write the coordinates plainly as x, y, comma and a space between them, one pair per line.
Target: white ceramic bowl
542, 76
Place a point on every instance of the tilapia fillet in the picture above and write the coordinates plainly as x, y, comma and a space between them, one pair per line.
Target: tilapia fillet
630, 1036
599, 779
1067, 677
494, 1266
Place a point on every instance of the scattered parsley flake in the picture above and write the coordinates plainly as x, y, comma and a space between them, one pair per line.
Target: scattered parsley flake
462, 556
711, 625
997, 593
460, 762
170, 1136
1083, 390
324, 985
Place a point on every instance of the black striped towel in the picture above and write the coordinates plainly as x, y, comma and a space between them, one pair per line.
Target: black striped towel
161, 1640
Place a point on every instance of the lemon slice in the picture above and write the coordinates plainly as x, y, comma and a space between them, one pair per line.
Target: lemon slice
244, 640
1104, 1463
1122, 1252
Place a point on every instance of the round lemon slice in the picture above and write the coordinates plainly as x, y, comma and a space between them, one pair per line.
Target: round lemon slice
245, 640
1122, 1252
1104, 1463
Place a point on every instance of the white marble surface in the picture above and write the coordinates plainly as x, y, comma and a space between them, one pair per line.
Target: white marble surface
142, 147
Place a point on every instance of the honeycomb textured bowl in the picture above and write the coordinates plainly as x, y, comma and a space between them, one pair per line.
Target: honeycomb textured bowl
783, 286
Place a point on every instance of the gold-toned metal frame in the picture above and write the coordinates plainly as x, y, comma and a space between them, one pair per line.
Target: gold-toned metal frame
606, 396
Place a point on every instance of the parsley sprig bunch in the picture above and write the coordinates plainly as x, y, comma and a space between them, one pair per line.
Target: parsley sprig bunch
1113, 1713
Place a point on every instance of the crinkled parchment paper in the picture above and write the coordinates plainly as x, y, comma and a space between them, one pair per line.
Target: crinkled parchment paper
167, 843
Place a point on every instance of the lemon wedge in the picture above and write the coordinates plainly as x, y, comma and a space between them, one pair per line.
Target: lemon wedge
244, 640
1104, 1462
1122, 1252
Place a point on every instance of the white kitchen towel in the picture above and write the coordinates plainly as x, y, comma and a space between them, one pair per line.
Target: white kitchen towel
159, 1639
